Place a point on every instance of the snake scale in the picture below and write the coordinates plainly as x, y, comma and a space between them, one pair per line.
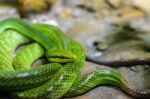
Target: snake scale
57, 78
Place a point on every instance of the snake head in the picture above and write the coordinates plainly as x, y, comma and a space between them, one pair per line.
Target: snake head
59, 56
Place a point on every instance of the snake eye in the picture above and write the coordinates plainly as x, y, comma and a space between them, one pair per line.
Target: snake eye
59, 56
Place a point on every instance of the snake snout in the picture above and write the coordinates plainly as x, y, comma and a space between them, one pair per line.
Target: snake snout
60, 56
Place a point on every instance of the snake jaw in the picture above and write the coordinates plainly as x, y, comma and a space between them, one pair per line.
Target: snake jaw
59, 56
60, 60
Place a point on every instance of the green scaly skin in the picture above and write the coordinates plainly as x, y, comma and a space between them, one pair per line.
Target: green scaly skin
56, 79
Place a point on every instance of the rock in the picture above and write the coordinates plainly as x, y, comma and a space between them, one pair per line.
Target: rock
116, 3
125, 15
142, 24
8, 12
32, 5
51, 2
4, 1
101, 46
42, 18
66, 13
99, 5
104, 92
73, 3
127, 3
143, 5
96, 5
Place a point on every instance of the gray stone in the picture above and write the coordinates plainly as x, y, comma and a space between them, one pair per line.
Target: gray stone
8, 12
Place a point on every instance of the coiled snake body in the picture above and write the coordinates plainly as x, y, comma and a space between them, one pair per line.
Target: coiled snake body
56, 79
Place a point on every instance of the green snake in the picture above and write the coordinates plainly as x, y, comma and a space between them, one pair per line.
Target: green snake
59, 76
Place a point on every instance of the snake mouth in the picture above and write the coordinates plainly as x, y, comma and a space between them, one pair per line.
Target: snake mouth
60, 60
60, 56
